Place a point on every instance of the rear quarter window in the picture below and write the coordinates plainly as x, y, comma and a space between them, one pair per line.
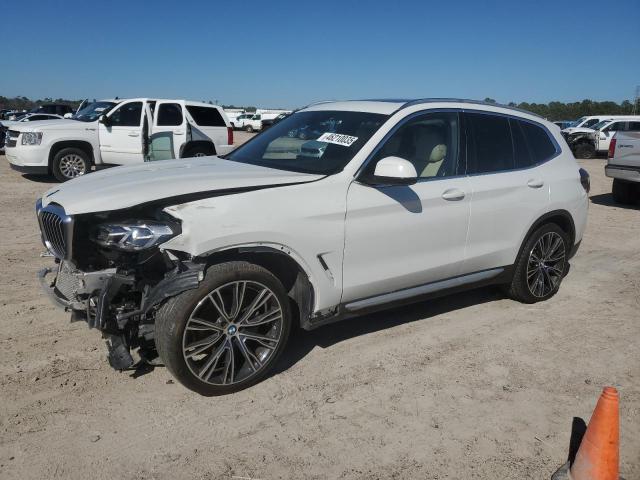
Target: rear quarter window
540, 145
206, 116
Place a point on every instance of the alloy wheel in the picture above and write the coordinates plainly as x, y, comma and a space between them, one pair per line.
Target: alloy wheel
232, 333
72, 165
546, 264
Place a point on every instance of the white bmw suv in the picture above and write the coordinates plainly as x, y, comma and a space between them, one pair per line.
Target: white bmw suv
340, 209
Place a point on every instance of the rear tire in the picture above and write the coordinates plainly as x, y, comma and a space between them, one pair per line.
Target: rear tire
248, 129
541, 265
199, 151
585, 151
70, 163
215, 354
624, 192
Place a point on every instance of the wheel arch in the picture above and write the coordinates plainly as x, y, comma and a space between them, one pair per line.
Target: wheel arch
281, 262
80, 144
562, 218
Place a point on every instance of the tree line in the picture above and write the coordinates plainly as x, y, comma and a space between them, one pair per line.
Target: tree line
551, 110
24, 103
572, 111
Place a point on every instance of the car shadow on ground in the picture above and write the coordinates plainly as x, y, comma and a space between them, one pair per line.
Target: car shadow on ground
302, 342
39, 178
606, 199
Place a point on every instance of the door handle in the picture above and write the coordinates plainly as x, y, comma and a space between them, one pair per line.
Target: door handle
535, 183
453, 194
178, 133
134, 134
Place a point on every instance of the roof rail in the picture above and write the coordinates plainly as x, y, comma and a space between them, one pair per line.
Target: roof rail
463, 100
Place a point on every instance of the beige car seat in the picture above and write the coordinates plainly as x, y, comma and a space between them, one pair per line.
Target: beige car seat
430, 150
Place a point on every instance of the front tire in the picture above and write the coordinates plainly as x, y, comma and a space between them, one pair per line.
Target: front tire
541, 265
248, 129
70, 163
227, 334
585, 151
623, 192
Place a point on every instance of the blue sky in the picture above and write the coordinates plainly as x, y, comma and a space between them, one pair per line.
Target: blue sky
290, 53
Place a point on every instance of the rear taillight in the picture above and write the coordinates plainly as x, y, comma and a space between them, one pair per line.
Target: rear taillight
229, 136
612, 148
585, 180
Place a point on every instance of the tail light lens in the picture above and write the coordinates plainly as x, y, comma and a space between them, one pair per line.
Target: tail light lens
229, 136
585, 180
612, 148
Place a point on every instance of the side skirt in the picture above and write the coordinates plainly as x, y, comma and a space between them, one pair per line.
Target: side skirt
441, 288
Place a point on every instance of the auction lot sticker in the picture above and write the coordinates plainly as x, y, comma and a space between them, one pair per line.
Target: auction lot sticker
337, 138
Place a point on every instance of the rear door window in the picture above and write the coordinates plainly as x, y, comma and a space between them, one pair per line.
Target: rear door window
491, 148
206, 116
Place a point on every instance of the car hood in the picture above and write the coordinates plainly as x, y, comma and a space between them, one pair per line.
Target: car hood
174, 181
578, 130
59, 124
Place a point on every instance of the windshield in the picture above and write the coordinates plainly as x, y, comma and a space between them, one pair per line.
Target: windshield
321, 142
577, 122
91, 112
601, 124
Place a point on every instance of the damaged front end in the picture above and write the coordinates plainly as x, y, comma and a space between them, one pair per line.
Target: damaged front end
112, 274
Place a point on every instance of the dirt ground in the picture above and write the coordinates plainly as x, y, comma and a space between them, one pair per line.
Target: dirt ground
467, 386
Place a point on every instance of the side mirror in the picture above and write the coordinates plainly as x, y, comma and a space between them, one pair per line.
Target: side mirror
67, 115
395, 171
104, 120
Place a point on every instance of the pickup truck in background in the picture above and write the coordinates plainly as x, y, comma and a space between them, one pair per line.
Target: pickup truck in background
604, 134
252, 122
623, 165
118, 132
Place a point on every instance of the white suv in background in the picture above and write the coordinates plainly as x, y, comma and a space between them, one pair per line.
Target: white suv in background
340, 209
118, 132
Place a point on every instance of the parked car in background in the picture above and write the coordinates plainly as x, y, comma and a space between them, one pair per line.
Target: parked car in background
252, 122
53, 108
232, 115
118, 132
209, 263
267, 122
564, 123
588, 142
28, 117
242, 120
604, 133
586, 123
623, 165
14, 114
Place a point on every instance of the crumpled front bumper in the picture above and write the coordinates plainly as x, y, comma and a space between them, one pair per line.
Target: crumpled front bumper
85, 294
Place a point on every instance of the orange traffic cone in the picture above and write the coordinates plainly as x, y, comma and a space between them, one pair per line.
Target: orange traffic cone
598, 454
